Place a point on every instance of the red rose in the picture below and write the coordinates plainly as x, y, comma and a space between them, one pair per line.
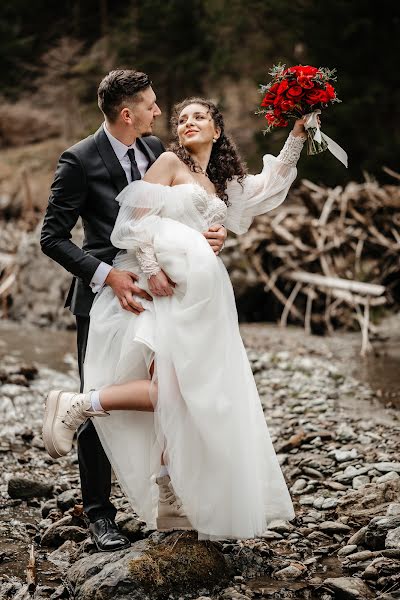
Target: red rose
282, 123
287, 105
268, 99
270, 118
305, 82
294, 91
330, 90
317, 96
305, 70
283, 86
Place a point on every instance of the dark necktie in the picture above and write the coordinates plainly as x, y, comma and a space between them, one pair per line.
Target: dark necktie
134, 168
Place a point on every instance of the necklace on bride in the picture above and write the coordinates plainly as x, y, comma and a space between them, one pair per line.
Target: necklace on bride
202, 171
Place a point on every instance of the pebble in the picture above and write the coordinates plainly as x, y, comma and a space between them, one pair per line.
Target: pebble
349, 588
325, 503
298, 486
358, 537
25, 488
280, 526
391, 476
387, 467
393, 539
359, 481
290, 572
349, 549
393, 510
344, 455
334, 527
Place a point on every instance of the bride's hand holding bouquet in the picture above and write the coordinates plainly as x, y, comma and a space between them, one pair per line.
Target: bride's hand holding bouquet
301, 92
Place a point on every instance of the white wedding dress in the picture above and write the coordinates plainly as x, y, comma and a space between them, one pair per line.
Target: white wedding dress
208, 417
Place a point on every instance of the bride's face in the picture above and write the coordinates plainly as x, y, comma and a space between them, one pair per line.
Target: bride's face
196, 126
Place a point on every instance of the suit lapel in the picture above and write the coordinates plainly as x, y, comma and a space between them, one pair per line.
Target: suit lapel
110, 160
145, 148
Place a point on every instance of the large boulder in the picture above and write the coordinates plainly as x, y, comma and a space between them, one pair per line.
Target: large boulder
372, 500
150, 569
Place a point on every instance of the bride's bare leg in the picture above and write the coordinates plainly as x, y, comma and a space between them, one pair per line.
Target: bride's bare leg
134, 395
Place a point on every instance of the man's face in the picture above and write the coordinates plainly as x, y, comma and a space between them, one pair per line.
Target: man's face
144, 111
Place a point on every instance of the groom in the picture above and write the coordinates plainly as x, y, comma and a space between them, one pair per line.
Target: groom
88, 178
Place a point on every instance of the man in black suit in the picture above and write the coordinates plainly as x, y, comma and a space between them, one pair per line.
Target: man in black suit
88, 178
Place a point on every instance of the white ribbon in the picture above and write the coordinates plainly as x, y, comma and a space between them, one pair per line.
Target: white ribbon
311, 121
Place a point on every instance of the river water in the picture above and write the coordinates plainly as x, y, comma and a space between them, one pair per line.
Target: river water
380, 368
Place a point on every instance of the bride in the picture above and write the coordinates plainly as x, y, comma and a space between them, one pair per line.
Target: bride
184, 429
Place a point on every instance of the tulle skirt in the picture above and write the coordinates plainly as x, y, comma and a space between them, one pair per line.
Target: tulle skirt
208, 418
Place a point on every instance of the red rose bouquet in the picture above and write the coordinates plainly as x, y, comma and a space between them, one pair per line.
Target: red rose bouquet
297, 92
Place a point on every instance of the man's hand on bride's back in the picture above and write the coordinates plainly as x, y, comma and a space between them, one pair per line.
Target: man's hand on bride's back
124, 287
216, 237
161, 285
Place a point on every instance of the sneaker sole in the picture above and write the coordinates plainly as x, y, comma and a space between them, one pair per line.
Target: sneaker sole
48, 422
173, 524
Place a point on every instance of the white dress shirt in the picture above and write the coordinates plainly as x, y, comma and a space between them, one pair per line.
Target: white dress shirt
121, 152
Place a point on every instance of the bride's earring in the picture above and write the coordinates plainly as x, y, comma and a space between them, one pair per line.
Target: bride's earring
214, 140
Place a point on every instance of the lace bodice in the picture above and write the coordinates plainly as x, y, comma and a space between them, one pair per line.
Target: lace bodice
211, 207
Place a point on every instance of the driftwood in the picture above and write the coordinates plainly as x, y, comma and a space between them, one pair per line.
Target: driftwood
31, 570
331, 257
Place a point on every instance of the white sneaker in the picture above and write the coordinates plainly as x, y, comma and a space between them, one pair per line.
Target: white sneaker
171, 516
65, 412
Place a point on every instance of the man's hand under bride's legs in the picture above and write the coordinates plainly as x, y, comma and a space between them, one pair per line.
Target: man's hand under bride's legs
216, 237
124, 287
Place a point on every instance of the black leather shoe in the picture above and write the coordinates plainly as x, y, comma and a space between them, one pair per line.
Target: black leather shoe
106, 535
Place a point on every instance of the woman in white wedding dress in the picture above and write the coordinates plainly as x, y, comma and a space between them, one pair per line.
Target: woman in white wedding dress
174, 381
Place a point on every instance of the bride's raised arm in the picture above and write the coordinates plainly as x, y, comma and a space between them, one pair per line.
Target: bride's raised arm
258, 194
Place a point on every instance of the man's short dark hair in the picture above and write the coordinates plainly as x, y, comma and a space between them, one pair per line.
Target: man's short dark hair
118, 87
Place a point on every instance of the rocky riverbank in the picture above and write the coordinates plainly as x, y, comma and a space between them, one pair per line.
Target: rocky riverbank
338, 445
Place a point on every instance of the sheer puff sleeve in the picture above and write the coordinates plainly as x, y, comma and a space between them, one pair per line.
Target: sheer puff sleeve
141, 209
258, 194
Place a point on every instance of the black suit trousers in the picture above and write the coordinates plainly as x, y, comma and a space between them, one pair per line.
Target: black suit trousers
94, 466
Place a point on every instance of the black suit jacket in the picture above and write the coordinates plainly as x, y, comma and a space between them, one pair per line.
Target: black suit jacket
88, 178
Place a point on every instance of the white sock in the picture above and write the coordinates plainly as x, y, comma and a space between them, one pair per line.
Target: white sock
95, 401
163, 471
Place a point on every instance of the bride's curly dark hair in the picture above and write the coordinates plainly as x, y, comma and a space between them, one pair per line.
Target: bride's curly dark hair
225, 162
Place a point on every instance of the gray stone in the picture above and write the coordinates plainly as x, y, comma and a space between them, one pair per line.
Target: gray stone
63, 530
387, 467
24, 488
374, 496
334, 527
130, 526
349, 588
48, 506
280, 526
149, 570
290, 572
359, 481
358, 537
393, 510
68, 499
377, 531
344, 455
322, 503
349, 549
393, 539
298, 486
391, 476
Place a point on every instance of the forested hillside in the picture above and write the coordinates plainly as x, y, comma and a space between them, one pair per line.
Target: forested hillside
53, 54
